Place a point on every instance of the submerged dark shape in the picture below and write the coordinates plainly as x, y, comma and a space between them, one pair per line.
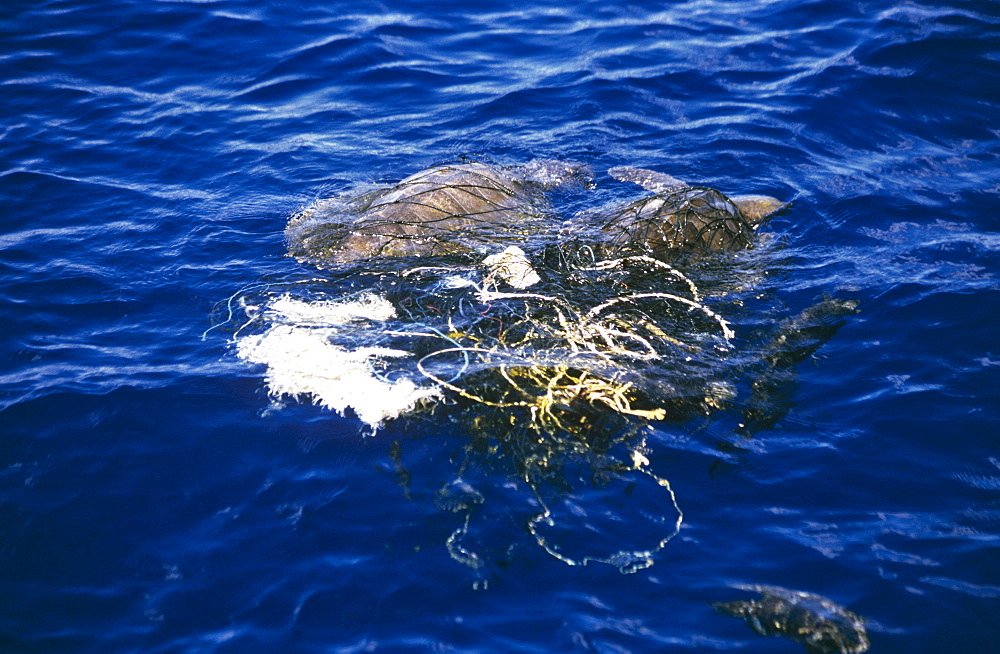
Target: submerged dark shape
684, 218
447, 209
796, 339
821, 625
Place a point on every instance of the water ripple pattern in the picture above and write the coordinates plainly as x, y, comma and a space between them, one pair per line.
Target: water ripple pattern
154, 499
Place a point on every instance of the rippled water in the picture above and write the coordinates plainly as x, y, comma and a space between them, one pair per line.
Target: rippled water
151, 154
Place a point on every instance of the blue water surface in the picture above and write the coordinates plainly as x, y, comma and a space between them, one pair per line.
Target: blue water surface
151, 152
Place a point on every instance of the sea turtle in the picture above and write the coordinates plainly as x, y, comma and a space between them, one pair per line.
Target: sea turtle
823, 626
447, 209
681, 217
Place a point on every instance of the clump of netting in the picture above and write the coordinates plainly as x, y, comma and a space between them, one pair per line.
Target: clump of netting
628, 337
592, 342
553, 383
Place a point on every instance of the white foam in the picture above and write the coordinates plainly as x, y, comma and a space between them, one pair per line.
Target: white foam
303, 359
326, 312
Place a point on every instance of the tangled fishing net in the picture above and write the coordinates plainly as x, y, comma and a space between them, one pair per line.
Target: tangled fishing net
547, 357
546, 373
554, 359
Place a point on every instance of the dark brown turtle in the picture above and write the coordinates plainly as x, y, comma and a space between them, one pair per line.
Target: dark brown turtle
681, 217
447, 209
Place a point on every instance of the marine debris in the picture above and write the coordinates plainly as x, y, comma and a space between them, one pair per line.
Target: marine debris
458, 288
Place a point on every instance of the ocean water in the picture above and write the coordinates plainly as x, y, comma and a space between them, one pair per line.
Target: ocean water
154, 498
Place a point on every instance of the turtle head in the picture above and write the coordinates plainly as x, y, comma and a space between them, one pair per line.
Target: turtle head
758, 208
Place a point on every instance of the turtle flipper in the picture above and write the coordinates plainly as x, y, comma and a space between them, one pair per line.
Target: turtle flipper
647, 179
796, 340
